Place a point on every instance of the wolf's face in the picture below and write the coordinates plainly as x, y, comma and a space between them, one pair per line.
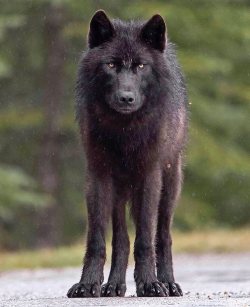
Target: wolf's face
125, 84
123, 60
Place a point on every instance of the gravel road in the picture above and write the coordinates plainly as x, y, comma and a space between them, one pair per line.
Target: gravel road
207, 280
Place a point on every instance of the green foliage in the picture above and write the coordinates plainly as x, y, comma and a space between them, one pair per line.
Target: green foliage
213, 43
17, 189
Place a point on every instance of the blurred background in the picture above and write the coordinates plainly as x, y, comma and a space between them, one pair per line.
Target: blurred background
41, 158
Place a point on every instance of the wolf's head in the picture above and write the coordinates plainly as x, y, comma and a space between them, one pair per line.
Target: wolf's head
124, 61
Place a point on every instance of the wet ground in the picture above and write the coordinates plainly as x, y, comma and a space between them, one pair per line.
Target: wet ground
207, 280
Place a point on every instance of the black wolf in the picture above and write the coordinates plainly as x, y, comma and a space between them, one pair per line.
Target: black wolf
131, 109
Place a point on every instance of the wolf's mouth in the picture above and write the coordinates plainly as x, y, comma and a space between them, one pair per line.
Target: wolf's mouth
126, 110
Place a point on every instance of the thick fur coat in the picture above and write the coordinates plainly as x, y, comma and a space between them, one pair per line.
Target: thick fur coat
132, 113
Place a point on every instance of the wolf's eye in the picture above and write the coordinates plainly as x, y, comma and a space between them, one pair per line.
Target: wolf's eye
111, 65
141, 66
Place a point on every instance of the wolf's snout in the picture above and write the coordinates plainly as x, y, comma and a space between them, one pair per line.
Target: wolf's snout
126, 98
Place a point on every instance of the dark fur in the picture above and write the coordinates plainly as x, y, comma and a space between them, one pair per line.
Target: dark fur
134, 156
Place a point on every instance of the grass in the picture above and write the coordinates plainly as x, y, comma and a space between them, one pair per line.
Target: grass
216, 241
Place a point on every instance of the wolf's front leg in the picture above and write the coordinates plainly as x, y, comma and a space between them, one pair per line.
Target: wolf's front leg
145, 207
99, 202
170, 192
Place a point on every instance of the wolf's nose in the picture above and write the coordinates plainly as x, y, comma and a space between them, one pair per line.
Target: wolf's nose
126, 97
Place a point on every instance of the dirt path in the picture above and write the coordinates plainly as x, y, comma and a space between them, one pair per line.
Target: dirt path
207, 280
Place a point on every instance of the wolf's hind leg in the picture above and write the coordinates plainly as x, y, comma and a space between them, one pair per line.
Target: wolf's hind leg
116, 285
99, 202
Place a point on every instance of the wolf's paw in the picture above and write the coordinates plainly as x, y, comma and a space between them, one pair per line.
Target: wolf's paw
113, 289
151, 289
173, 288
84, 290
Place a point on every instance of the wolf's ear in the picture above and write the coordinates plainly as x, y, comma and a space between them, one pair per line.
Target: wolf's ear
101, 29
153, 33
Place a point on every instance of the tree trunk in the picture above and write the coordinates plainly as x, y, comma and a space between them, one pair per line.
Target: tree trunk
49, 160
